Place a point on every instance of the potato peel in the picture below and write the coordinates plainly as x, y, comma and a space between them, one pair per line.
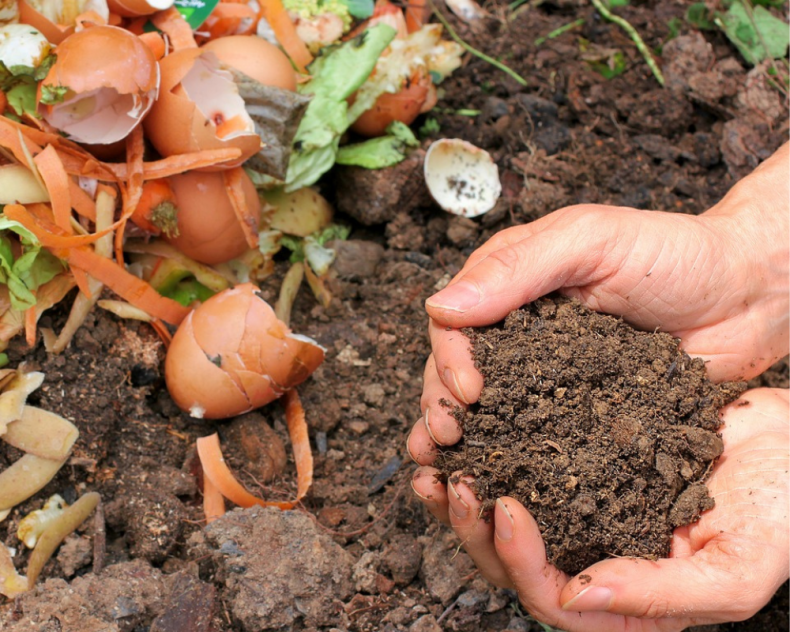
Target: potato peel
71, 518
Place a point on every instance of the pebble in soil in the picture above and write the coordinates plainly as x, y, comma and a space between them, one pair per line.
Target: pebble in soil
605, 433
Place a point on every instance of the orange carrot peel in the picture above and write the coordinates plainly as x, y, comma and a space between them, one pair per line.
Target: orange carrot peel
284, 29
218, 473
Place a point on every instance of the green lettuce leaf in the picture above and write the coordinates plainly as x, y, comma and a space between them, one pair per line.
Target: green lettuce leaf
749, 34
30, 270
337, 73
378, 153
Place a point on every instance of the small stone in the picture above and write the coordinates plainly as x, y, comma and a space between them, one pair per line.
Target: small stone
374, 395
358, 427
402, 557
426, 623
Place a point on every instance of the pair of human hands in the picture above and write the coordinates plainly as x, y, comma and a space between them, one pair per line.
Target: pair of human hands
719, 282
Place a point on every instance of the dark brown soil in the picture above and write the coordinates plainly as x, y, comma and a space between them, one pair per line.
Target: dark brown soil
605, 433
361, 555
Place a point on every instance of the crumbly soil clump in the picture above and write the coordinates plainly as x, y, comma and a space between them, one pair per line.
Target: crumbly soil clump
605, 433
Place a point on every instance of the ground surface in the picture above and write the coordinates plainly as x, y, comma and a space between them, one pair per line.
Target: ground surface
362, 554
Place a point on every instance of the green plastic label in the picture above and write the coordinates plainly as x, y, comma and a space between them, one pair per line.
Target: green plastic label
195, 12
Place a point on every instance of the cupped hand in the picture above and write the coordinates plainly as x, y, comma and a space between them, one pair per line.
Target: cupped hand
724, 567
719, 282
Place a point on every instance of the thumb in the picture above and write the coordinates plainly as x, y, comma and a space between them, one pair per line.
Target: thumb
725, 581
573, 250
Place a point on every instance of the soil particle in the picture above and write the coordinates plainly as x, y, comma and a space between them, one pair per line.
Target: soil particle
402, 558
261, 449
278, 568
445, 569
375, 196
75, 553
190, 606
123, 597
604, 433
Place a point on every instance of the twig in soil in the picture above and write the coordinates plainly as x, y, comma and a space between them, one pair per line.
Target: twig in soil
477, 53
634, 35
559, 31
99, 540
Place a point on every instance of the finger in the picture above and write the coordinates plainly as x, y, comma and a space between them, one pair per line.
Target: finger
431, 492
516, 274
539, 584
438, 404
475, 530
452, 353
512, 235
421, 446
726, 581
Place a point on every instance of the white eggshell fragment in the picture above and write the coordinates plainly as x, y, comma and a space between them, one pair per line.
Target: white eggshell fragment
462, 178
22, 45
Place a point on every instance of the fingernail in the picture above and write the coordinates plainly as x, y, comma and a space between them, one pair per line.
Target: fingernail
503, 522
594, 598
457, 504
425, 420
457, 298
408, 449
425, 499
451, 381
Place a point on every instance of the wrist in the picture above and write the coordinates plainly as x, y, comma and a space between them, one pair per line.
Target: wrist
753, 220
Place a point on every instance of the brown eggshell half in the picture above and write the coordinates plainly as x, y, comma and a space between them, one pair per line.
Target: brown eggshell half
209, 231
403, 106
256, 353
195, 383
256, 58
104, 57
175, 125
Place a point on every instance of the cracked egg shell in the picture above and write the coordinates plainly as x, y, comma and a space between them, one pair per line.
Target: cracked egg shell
111, 80
199, 108
256, 58
462, 178
209, 231
232, 355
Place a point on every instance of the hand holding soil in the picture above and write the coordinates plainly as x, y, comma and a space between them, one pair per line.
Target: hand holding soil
719, 283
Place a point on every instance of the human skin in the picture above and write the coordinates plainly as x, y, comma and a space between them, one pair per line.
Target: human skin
721, 283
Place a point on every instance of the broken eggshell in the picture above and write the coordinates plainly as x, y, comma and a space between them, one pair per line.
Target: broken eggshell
232, 355
199, 108
103, 83
56, 19
462, 178
22, 45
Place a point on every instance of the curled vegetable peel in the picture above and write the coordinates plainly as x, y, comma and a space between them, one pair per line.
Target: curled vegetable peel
232, 354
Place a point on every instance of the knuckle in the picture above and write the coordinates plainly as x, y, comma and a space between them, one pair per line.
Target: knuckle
653, 606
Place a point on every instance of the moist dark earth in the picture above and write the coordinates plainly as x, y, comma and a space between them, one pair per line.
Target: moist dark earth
603, 432
360, 554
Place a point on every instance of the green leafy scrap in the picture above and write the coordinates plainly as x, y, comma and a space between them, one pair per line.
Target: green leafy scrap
360, 9
381, 152
757, 37
337, 73
25, 273
52, 95
700, 16
187, 291
20, 84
